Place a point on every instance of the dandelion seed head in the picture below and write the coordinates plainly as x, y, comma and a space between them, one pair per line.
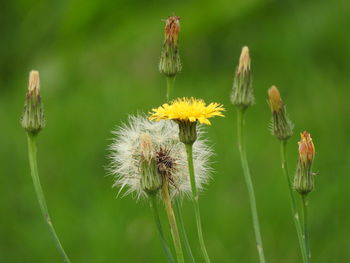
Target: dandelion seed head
158, 139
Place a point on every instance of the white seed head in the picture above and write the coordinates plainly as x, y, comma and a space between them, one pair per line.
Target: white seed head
141, 136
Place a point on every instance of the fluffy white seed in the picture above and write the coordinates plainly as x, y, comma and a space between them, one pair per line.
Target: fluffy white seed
126, 155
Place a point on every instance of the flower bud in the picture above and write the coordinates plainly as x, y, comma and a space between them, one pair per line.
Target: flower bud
304, 178
170, 63
33, 115
151, 181
281, 126
242, 90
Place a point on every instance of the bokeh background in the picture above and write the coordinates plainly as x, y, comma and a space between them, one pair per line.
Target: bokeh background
98, 63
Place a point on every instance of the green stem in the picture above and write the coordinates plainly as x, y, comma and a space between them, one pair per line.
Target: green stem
162, 239
249, 183
295, 213
306, 228
169, 87
183, 233
32, 151
196, 201
172, 222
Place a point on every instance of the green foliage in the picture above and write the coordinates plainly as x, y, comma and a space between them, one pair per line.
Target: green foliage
98, 62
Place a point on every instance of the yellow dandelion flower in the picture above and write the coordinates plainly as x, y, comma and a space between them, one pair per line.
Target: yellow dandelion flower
187, 109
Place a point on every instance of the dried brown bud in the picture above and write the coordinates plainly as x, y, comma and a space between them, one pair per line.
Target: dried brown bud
170, 63
172, 29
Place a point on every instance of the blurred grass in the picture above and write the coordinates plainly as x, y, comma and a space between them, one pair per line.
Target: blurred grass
98, 63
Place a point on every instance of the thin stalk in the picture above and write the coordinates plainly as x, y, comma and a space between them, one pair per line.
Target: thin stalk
195, 199
172, 222
32, 152
183, 234
295, 213
166, 249
169, 87
249, 183
306, 227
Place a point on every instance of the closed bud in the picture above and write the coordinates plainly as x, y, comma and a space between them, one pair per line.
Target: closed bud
304, 177
242, 90
151, 181
170, 63
33, 114
281, 126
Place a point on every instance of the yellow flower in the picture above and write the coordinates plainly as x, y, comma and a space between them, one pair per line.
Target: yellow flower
187, 109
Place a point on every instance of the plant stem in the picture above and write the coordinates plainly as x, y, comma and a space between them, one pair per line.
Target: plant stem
32, 152
249, 183
306, 228
172, 222
195, 199
162, 239
169, 87
183, 233
295, 213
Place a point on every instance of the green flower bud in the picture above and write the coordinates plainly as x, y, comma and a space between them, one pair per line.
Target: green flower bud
170, 63
33, 115
242, 91
281, 126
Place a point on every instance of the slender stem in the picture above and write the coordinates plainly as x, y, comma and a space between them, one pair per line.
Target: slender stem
183, 234
154, 207
172, 222
32, 151
306, 228
249, 183
295, 213
196, 202
169, 87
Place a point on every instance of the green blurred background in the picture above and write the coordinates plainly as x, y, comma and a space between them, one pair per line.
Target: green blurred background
98, 63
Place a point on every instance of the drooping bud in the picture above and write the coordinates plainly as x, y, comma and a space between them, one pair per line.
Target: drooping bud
33, 114
281, 126
304, 177
170, 63
242, 90
151, 181
187, 131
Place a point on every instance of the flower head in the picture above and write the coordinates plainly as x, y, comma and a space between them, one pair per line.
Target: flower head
140, 140
33, 119
188, 110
